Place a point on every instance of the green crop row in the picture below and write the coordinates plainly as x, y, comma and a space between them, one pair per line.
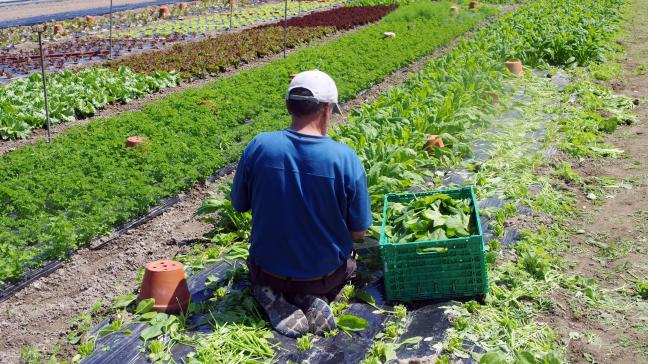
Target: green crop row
242, 17
72, 95
57, 197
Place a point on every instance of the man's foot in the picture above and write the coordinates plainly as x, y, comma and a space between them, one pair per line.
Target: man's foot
285, 317
318, 312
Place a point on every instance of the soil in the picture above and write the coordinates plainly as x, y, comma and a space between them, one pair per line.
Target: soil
41, 314
617, 331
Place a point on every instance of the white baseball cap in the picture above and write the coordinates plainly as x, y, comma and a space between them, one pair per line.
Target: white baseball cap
319, 84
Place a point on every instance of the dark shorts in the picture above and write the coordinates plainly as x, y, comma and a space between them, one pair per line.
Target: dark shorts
328, 286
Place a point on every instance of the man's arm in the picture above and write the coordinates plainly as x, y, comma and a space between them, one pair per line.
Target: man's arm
240, 189
359, 210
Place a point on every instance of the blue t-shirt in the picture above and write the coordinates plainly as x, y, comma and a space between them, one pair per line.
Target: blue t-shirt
306, 194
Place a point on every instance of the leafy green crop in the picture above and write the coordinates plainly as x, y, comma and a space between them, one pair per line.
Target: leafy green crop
72, 95
427, 218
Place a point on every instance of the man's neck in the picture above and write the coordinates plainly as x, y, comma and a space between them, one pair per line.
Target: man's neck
310, 127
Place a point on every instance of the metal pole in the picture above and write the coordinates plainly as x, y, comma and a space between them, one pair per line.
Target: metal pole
111, 23
285, 26
231, 12
42, 62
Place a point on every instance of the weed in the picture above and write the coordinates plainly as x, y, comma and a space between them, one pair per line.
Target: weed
30, 355
304, 343
607, 71
564, 171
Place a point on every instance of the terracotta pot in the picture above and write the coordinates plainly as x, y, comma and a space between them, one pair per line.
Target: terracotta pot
432, 142
90, 19
183, 6
515, 66
164, 11
58, 28
473, 5
454, 10
164, 281
136, 141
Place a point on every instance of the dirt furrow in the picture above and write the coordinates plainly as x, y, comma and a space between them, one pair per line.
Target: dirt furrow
609, 241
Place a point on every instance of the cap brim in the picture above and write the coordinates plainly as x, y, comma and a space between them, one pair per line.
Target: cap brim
337, 109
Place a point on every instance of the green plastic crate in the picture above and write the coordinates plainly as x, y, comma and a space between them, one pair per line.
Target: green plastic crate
413, 271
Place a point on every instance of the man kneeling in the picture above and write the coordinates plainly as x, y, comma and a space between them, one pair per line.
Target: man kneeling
309, 201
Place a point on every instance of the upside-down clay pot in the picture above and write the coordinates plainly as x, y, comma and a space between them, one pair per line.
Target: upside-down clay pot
515, 66
136, 141
432, 142
58, 28
473, 5
90, 19
164, 11
165, 282
454, 10
183, 6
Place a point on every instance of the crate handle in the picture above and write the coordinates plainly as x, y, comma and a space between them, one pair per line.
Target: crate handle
432, 250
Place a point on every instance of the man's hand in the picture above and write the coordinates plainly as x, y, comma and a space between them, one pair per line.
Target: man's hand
358, 235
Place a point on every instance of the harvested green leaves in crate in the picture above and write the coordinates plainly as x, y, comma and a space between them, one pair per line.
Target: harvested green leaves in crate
429, 218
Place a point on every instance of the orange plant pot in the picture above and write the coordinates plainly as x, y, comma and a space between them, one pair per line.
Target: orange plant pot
90, 19
454, 10
164, 11
165, 282
183, 6
515, 66
136, 141
432, 142
473, 5
58, 28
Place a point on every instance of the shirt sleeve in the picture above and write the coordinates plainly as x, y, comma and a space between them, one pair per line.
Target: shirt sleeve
359, 210
241, 188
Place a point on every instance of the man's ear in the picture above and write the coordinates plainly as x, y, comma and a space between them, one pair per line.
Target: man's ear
328, 110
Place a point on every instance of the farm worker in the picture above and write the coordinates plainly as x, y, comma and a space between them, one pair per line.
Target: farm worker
309, 201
